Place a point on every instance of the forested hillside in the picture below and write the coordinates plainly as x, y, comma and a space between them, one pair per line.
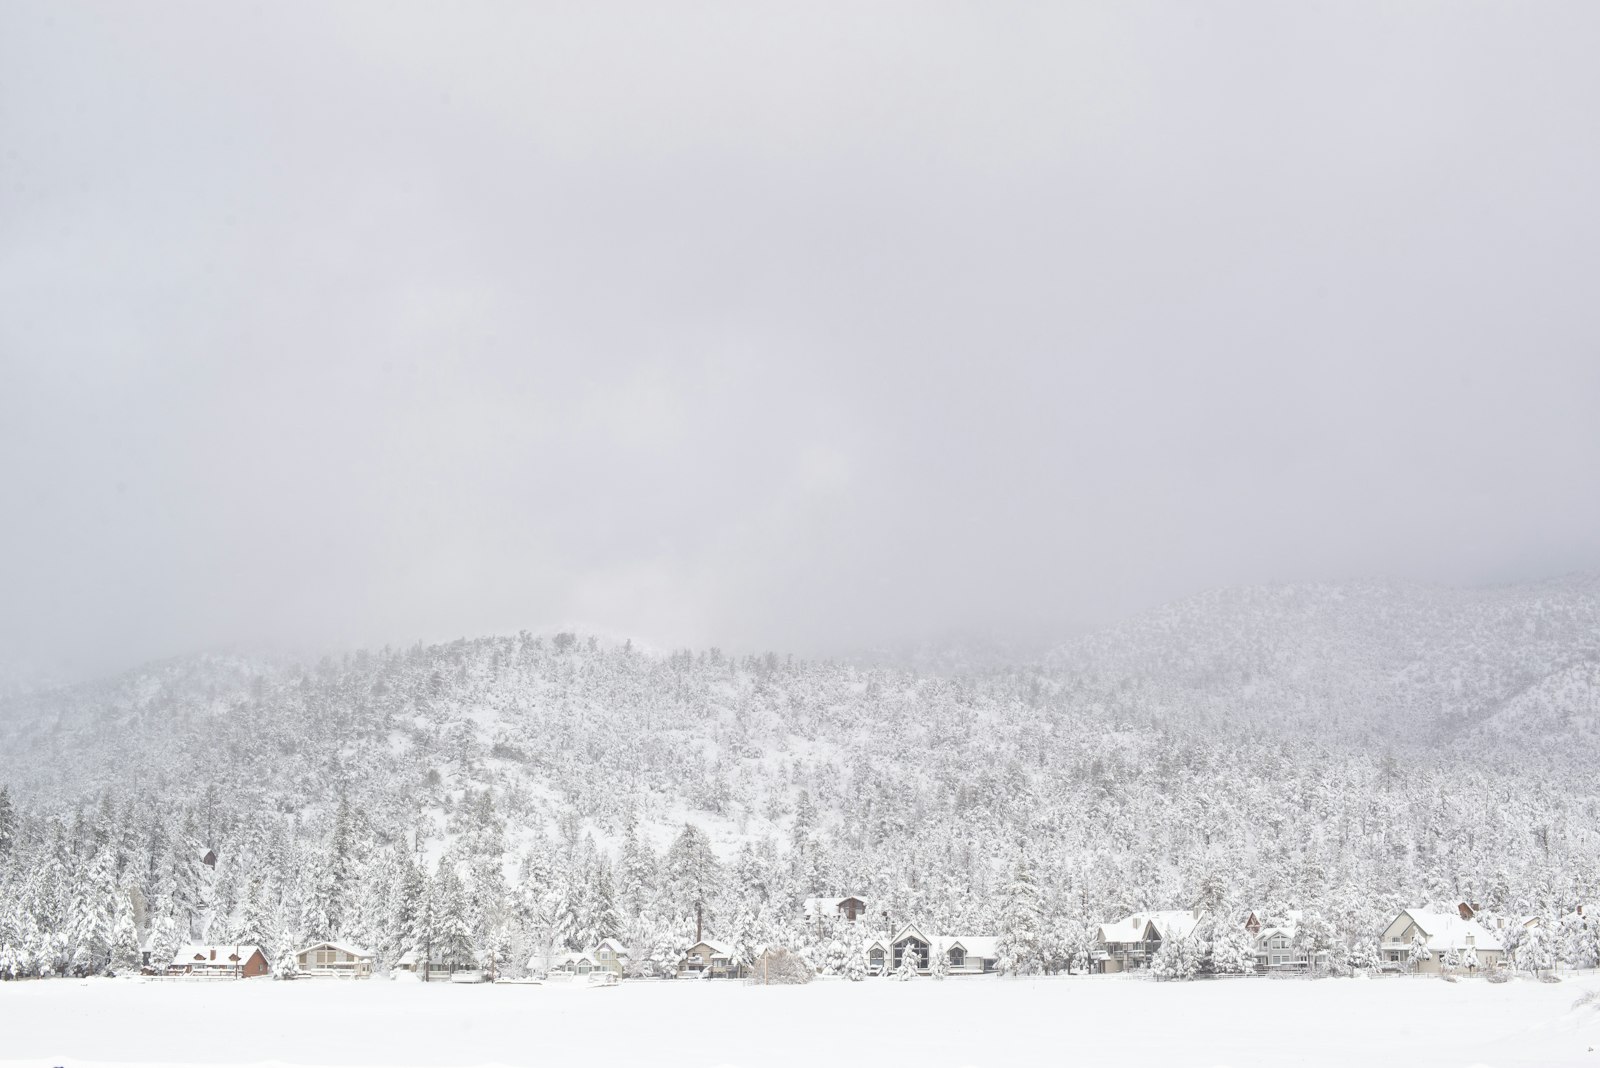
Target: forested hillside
1342, 750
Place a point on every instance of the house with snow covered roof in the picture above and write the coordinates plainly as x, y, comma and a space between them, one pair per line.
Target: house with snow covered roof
410, 962
239, 962
340, 960
964, 954
1443, 933
579, 963
1130, 943
971, 954
822, 909
610, 955
1276, 951
712, 959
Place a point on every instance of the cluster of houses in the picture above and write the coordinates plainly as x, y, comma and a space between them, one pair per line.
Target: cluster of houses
1127, 945
1418, 940
330, 959
1132, 943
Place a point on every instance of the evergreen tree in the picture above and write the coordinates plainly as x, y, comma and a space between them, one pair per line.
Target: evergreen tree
835, 958
257, 925
691, 874
336, 887
124, 953
805, 816
420, 936
1314, 937
1579, 941
184, 880
1533, 953
8, 823
603, 920
91, 916
908, 964
1018, 948
1232, 949
1419, 951
635, 874
1175, 958
451, 940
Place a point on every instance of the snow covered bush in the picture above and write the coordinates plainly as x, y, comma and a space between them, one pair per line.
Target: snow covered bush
287, 967
1363, 956
855, 968
781, 967
1533, 950
1175, 959
1579, 941
835, 958
1232, 951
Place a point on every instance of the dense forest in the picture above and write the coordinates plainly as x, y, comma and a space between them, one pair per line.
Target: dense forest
1340, 750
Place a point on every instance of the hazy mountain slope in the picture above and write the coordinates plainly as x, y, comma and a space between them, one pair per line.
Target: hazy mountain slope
1384, 661
1553, 721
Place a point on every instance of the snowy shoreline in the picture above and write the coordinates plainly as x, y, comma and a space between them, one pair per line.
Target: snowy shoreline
1417, 1021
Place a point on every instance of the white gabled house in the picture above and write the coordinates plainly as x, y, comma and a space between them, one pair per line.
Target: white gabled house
1477, 947
338, 959
877, 954
964, 954
971, 954
1131, 942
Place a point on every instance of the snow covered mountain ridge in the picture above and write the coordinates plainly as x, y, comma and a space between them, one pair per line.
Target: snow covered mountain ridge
1346, 749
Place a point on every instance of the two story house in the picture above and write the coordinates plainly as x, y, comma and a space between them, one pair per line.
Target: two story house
1443, 933
1131, 942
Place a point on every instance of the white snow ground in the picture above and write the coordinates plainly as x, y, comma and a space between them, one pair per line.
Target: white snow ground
1417, 1022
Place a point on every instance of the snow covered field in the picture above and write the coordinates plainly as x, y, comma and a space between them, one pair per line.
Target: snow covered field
1097, 1020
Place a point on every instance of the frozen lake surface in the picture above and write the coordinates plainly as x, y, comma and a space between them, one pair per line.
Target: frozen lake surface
987, 1021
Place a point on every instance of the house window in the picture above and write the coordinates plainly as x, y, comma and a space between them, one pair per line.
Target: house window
918, 951
876, 957
958, 957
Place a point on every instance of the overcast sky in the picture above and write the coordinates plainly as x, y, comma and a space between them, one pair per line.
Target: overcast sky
800, 327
